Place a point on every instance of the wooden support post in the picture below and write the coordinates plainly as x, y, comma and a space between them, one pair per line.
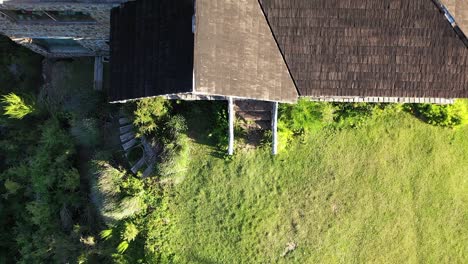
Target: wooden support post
98, 73
231, 125
274, 128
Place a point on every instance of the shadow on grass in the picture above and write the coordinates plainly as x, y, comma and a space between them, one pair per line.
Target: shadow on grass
20, 68
205, 123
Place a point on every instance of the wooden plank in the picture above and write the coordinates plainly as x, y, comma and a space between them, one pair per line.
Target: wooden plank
129, 144
127, 137
126, 129
138, 165
231, 125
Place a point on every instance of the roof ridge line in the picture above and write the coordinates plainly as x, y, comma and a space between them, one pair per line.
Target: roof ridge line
448, 16
279, 48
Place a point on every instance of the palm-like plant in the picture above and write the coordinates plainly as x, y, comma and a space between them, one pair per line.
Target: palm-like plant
15, 107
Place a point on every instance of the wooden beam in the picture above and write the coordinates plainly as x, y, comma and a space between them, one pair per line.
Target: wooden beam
274, 128
231, 125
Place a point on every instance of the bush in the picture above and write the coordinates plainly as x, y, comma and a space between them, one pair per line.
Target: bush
219, 133
149, 113
303, 117
15, 107
442, 115
114, 192
175, 156
351, 115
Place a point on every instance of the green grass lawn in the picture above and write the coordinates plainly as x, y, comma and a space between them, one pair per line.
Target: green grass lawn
392, 191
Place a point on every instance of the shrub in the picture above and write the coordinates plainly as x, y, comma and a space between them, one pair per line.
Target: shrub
149, 113
113, 193
305, 116
15, 107
219, 133
442, 115
174, 127
301, 118
350, 115
130, 232
175, 156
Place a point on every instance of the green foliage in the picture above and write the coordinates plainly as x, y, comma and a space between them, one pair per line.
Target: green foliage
354, 115
130, 232
158, 227
51, 190
15, 107
175, 127
220, 127
86, 131
305, 116
454, 115
175, 156
149, 113
122, 247
391, 190
308, 117
302, 118
115, 193
11, 187
106, 234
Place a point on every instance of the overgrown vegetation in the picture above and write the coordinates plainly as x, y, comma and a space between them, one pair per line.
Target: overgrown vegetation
135, 212
354, 182
155, 119
308, 117
390, 190
45, 214
150, 114
452, 116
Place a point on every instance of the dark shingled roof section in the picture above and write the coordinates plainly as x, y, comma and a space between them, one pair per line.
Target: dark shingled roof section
151, 49
388, 48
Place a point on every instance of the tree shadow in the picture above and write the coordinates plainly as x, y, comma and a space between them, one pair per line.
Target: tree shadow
205, 123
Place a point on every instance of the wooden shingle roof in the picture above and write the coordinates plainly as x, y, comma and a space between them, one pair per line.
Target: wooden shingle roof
391, 48
236, 54
459, 10
151, 49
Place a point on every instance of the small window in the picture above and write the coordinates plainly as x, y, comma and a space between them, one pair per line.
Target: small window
24, 16
62, 45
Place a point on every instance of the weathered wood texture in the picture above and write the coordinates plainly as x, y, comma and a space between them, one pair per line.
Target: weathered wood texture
236, 54
459, 10
368, 48
151, 49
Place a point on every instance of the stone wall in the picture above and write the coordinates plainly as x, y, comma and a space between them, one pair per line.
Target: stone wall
91, 35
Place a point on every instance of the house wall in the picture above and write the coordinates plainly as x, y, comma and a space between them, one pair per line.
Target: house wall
93, 36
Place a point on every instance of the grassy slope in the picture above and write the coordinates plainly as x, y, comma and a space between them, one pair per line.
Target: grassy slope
395, 190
